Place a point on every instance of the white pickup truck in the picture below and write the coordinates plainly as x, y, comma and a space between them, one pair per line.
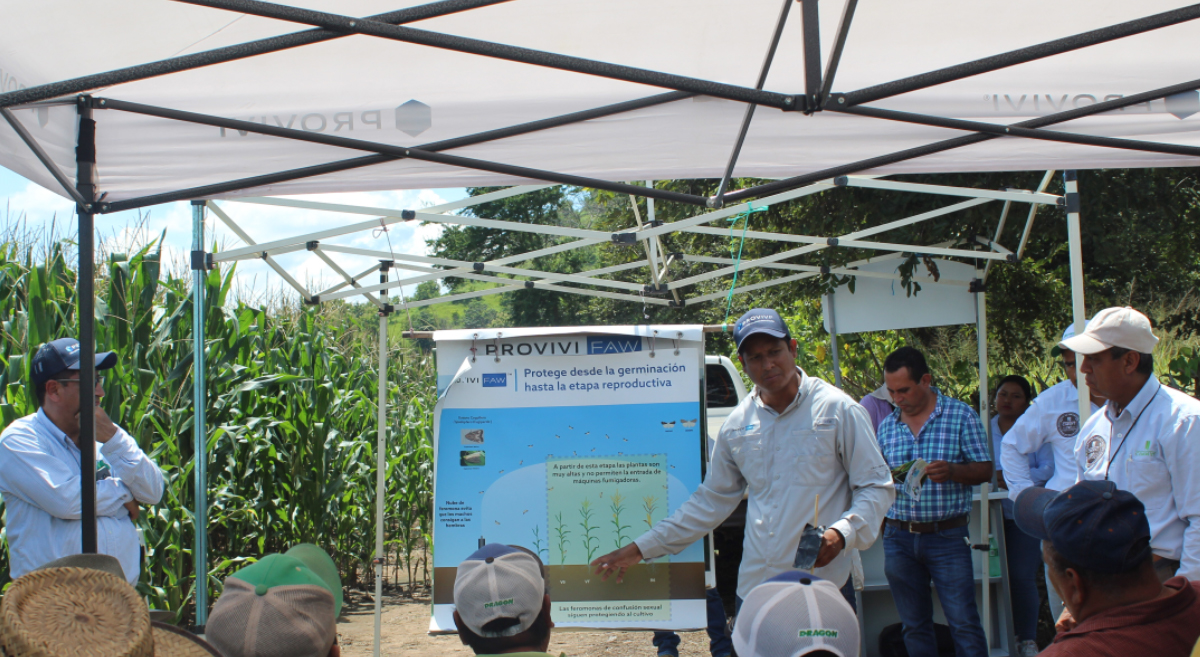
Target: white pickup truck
723, 390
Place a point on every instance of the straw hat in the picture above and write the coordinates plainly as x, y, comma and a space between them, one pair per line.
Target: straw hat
67, 610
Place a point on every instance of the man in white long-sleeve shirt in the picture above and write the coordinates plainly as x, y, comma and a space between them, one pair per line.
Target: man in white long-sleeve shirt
39, 471
1052, 418
1147, 438
793, 438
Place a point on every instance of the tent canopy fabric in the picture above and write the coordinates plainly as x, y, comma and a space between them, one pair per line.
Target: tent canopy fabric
405, 94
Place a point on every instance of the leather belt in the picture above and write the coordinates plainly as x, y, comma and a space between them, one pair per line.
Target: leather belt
929, 527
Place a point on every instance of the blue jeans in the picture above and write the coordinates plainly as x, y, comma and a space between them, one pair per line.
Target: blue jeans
719, 643
1024, 555
911, 562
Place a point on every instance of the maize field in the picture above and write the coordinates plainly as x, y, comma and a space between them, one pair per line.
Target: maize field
291, 414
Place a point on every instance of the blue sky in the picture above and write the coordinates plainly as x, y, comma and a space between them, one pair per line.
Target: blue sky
21, 199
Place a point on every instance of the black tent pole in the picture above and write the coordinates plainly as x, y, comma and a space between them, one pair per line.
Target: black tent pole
85, 182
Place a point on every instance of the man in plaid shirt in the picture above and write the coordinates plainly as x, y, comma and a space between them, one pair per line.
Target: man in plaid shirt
925, 537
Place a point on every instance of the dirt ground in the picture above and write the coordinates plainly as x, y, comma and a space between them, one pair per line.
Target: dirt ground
406, 625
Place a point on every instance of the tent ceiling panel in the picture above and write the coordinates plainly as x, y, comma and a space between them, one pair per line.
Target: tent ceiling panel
404, 94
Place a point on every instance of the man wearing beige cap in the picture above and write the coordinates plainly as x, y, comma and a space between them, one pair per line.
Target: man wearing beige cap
1146, 440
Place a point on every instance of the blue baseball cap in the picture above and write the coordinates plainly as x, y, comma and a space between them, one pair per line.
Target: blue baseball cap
1091, 524
62, 355
759, 320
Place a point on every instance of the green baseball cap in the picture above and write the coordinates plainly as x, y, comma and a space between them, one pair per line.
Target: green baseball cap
304, 564
320, 563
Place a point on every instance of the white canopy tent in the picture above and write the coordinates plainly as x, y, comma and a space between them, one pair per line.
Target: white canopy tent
210, 99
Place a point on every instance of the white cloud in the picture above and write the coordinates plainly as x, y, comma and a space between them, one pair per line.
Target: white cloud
39, 207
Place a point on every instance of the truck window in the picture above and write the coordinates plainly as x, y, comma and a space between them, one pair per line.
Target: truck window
720, 391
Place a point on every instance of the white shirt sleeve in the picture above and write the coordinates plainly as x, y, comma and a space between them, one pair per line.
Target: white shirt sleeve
51, 484
1182, 456
871, 488
1024, 438
712, 503
133, 468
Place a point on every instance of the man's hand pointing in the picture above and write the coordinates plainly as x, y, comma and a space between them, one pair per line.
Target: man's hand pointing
618, 561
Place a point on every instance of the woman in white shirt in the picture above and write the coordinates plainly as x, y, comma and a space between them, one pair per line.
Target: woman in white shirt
1024, 552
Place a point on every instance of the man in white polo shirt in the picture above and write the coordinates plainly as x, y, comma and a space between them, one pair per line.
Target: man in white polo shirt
1052, 418
1146, 440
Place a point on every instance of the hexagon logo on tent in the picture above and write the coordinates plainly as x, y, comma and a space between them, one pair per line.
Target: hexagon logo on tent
414, 117
1184, 104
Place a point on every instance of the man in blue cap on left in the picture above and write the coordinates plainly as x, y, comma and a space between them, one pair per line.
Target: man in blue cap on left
39, 471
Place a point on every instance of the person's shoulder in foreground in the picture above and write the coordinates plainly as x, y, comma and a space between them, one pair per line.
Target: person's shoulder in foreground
796, 613
283, 605
501, 602
1096, 545
106, 616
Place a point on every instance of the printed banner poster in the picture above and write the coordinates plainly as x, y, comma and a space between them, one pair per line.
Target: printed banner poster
573, 456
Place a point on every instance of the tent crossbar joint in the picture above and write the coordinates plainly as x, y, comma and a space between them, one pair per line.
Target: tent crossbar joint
202, 261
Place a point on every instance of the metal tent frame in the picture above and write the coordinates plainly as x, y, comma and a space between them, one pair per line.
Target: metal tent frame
662, 285
817, 96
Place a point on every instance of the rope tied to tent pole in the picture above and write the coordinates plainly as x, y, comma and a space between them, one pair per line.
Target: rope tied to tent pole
737, 261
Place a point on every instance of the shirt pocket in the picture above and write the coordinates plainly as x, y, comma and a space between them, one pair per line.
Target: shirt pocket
814, 456
748, 453
1150, 482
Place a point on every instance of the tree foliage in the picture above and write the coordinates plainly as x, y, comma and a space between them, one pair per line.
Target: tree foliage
1140, 238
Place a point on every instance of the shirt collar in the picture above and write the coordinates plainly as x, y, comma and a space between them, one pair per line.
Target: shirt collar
53, 429
938, 407
1140, 613
1139, 401
800, 395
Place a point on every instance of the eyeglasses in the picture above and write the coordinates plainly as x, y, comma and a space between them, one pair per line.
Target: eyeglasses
99, 381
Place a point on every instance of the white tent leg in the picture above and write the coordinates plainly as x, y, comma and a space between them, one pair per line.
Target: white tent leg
985, 488
833, 345
380, 464
1075, 247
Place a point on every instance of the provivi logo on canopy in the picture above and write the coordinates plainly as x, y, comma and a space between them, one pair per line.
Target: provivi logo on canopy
412, 118
1180, 105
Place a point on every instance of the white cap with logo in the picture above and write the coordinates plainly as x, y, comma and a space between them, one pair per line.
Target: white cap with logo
499, 581
795, 614
1114, 327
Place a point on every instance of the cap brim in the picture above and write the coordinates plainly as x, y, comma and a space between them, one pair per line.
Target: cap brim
775, 333
1084, 344
1029, 511
104, 360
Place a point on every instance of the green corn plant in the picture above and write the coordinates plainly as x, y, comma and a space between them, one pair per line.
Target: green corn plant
585, 516
562, 536
649, 504
617, 506
290, 404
